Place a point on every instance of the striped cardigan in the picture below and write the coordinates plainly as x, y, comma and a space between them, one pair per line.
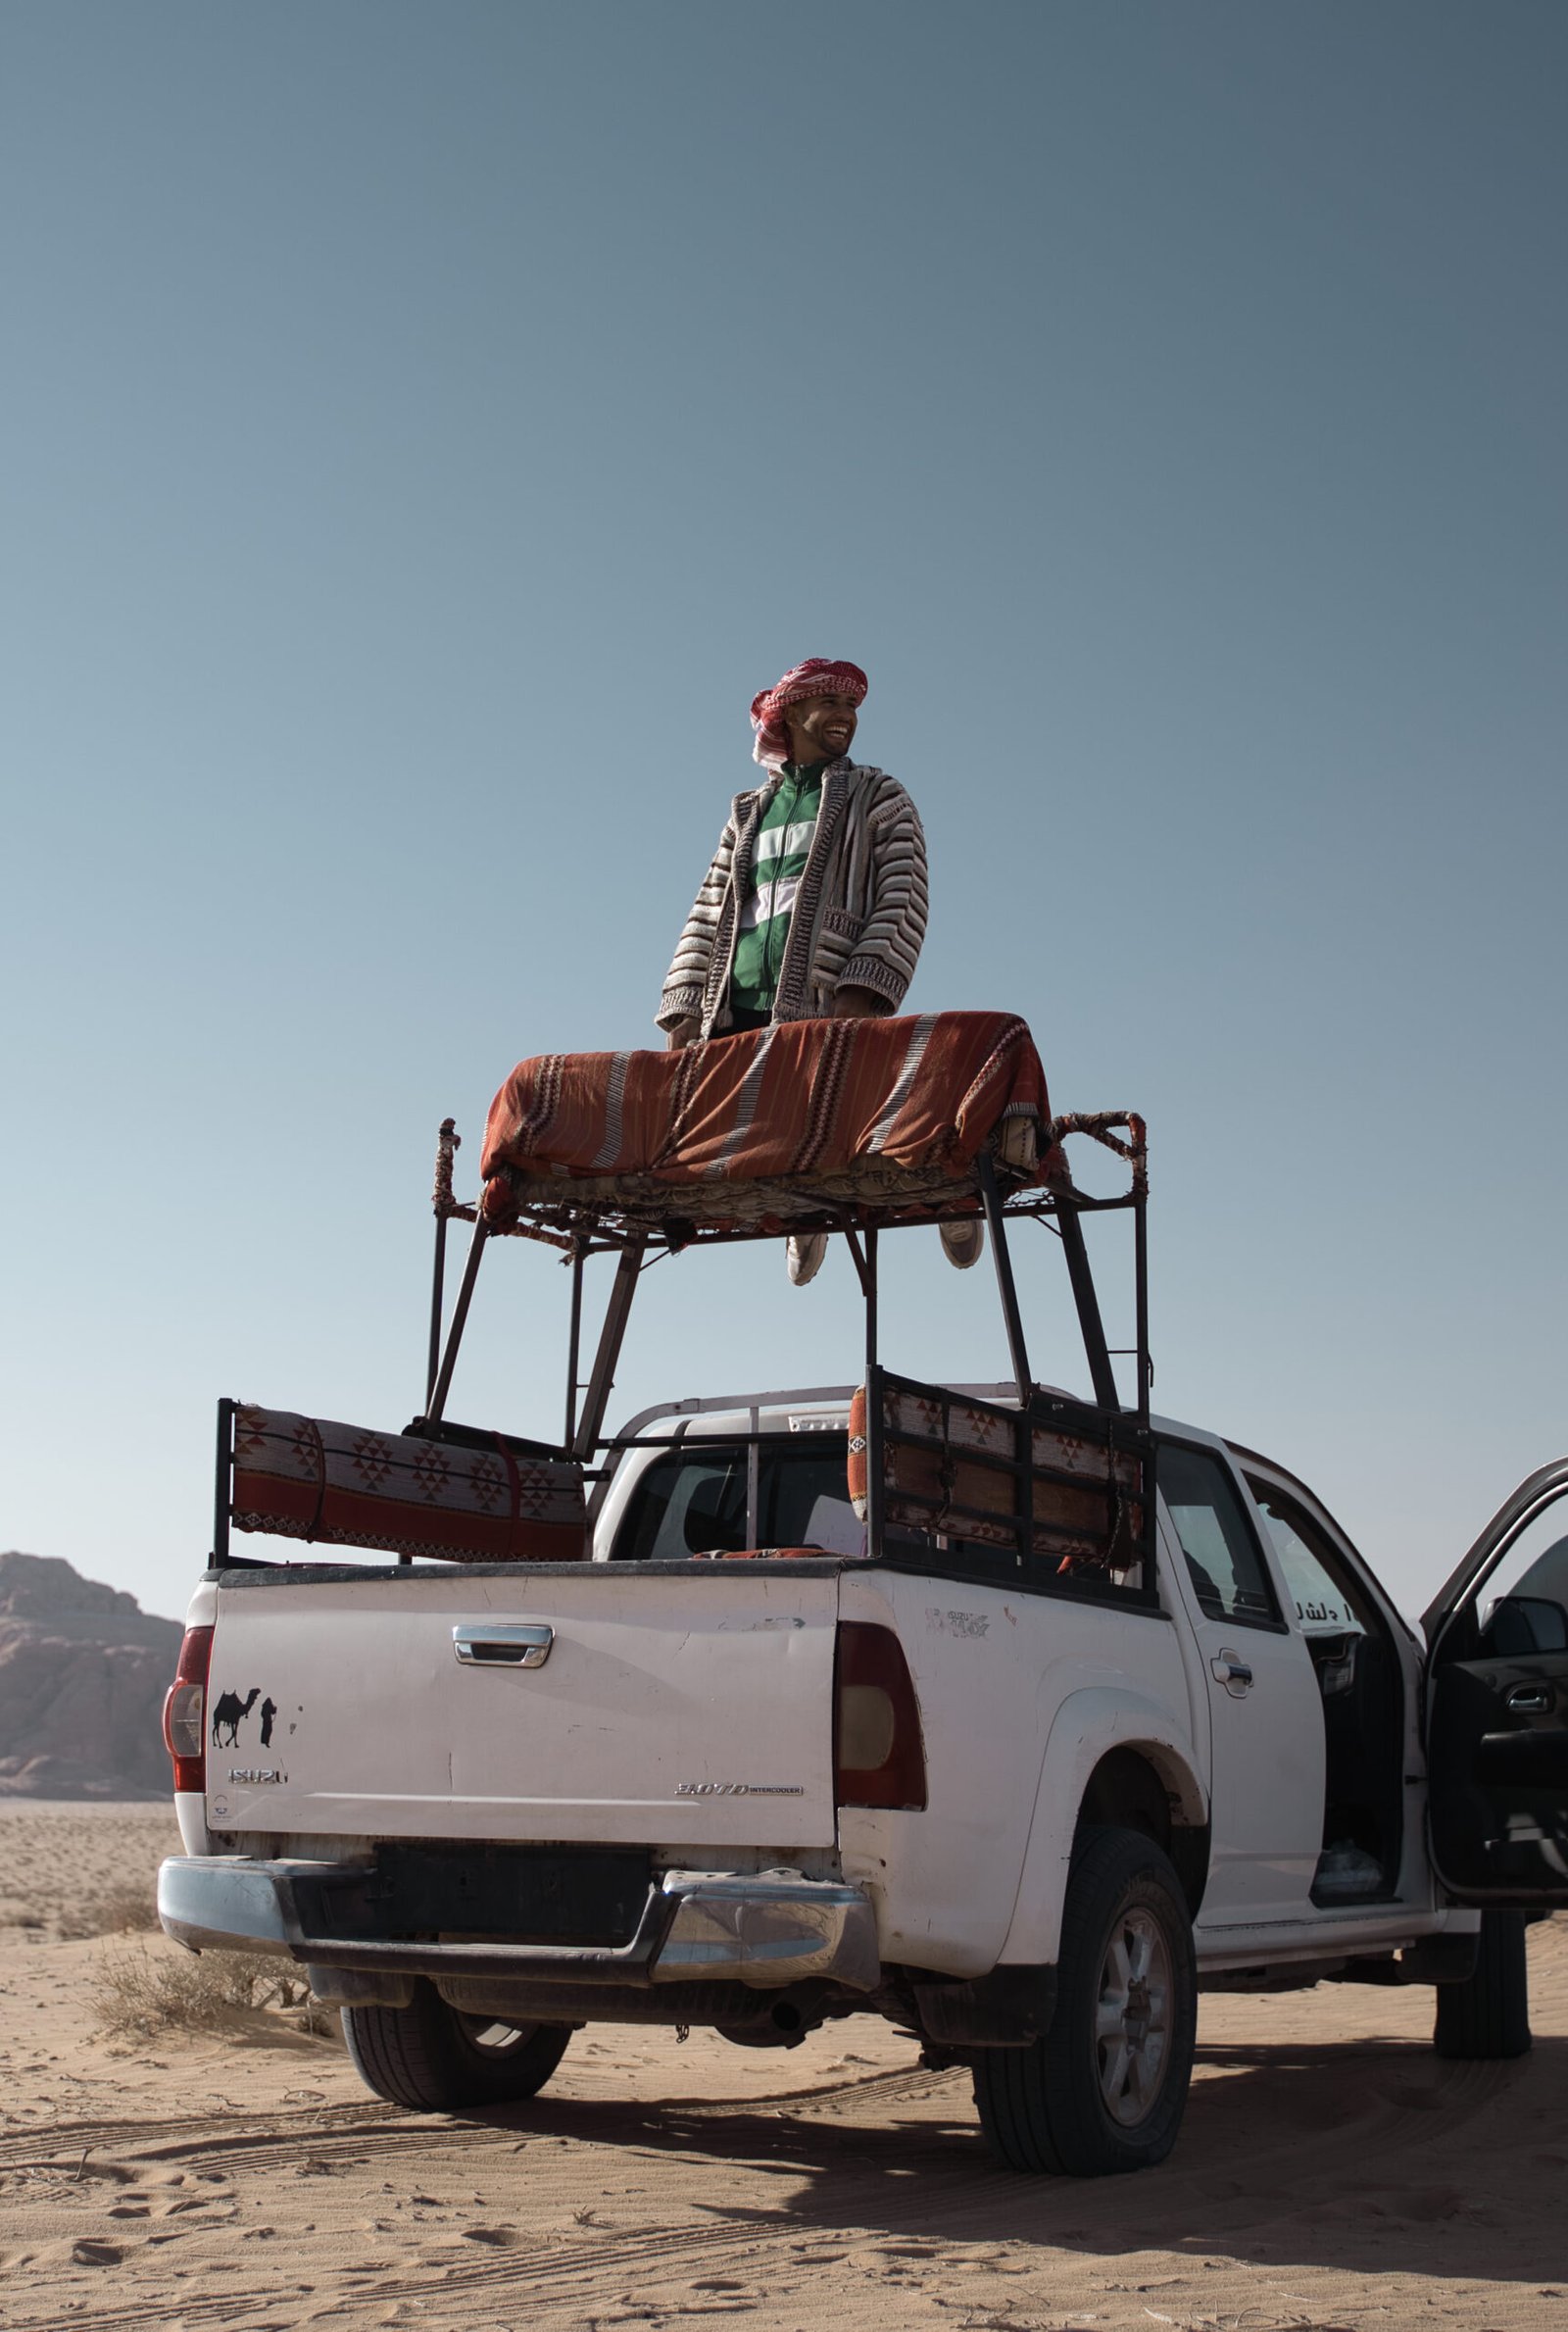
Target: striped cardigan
859, 914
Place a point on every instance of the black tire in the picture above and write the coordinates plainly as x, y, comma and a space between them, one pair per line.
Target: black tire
1489, 2014
437, 2059
1068, 2104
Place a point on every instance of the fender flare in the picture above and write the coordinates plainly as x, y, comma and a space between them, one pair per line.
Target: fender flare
1090, 1722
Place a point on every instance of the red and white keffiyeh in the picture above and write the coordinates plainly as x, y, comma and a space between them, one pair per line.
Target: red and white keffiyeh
817, 676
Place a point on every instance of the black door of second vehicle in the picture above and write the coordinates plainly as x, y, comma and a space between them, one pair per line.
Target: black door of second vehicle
1498, 1704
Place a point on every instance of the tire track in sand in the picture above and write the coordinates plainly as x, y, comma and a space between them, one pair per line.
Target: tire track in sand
826, 2130
60, 2145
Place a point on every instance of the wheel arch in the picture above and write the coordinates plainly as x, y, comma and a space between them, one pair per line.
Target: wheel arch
1114, 1759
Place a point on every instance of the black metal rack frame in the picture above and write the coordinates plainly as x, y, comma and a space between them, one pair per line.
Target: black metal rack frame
582, 1231
637, 1238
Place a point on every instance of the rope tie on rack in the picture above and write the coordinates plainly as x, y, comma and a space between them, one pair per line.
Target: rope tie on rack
1116, 1503
947, 1473
448, 1142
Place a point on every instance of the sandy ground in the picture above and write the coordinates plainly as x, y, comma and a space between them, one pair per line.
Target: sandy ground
79, 1868
1332, 2171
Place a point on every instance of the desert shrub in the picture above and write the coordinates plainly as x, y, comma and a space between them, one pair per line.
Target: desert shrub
120, 1910
138, 1990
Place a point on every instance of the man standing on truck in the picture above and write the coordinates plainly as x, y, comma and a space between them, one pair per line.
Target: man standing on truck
815, 906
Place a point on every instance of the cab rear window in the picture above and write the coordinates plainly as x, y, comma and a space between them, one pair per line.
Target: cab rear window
692, 1500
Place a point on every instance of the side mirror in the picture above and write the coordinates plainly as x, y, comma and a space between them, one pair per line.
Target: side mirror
1520, 1624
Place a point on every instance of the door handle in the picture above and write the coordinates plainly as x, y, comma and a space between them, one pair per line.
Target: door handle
1233, 1674
513, 1647
1531, 1697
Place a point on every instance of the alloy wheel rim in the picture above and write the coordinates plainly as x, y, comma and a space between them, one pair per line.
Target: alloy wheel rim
1132, 2017
492, 2037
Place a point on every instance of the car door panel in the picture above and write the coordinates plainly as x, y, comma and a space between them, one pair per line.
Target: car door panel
1265, 1719
1498, 1706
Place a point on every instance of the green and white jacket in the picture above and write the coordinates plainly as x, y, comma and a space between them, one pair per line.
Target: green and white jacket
859, 916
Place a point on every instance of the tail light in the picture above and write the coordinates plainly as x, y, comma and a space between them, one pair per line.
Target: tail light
879, 1757
185, 1711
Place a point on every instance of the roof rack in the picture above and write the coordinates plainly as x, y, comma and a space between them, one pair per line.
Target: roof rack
638, 1227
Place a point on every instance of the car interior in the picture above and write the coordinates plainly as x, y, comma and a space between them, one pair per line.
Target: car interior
1360, 1681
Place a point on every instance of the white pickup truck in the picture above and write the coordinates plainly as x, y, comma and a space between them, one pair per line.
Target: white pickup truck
486, 1806
1013, 1718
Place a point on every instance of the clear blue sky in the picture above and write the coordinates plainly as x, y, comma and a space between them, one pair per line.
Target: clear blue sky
428, 425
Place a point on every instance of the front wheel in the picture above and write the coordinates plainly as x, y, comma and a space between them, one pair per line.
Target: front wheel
1105, 2089
437, 2059
1489, 2014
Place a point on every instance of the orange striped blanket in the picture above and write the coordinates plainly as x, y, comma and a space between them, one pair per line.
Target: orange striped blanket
890, 1110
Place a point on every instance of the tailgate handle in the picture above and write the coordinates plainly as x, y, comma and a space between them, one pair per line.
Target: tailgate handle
513, 1647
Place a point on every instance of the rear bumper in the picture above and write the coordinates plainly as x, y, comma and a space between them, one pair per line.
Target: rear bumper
765, 1929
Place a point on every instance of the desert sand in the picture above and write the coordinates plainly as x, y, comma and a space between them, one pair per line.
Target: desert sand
1332, 2171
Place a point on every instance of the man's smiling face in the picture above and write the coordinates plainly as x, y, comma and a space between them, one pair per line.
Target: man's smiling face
822, 728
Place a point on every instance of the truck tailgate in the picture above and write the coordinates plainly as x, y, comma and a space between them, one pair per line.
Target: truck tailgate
686, 1705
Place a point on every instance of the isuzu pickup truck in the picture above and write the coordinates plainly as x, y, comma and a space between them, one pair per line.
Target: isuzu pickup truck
1012, 1716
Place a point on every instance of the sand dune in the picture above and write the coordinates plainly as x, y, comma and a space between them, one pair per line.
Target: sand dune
1332, 2173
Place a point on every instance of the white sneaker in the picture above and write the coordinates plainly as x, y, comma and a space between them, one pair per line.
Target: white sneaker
963, 1242
805, 1259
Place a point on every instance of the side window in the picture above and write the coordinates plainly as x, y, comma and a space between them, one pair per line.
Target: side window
1521, 1607
1222, 1554
1326, 1601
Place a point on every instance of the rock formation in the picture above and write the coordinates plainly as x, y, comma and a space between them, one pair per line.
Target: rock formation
83, 1671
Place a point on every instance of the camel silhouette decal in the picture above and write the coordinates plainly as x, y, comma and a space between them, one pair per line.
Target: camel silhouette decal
228, 1709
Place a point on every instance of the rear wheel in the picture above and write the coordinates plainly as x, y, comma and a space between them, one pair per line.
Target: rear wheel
436, 2058
1489, 2014
1105, 2088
